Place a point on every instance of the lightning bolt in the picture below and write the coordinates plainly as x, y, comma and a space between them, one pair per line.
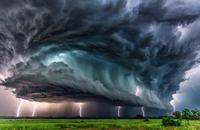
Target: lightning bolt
34, 109
80, 105
19, 108
118, 111
143, 112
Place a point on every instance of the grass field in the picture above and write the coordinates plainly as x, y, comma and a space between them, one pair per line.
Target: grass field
91, 124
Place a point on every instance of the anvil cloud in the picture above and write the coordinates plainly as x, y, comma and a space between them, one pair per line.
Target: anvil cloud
55, 50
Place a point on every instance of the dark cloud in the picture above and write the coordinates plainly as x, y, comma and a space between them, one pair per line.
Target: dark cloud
57, 82
97, 49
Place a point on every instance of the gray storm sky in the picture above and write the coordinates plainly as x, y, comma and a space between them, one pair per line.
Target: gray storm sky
131, 53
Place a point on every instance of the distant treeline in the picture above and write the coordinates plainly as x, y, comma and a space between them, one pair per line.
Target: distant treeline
187, 114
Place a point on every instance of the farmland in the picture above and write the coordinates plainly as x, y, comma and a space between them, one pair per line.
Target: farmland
92, 124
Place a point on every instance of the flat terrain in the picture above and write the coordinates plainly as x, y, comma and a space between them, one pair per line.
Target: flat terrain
91, 124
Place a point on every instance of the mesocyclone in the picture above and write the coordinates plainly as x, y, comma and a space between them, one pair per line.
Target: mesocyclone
97, 50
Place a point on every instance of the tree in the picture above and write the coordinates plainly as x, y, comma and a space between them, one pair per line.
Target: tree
195, 114
177, 114
168, 121
186, 114
198, 114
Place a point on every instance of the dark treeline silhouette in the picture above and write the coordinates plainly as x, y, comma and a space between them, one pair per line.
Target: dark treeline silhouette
187, 114
178, 116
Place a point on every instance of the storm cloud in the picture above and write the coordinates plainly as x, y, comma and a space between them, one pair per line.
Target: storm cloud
131, 52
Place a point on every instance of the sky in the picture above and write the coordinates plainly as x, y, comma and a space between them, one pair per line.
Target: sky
98, 58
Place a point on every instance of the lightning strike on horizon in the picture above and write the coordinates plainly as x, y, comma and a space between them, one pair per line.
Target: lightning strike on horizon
80, 105
118, 111
34, 109
19, 108
143, 112
137, 93
174, 101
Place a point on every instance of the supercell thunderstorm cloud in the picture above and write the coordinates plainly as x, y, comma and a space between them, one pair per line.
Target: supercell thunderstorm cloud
123, 52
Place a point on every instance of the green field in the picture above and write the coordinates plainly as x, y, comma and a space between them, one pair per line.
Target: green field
91, 124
